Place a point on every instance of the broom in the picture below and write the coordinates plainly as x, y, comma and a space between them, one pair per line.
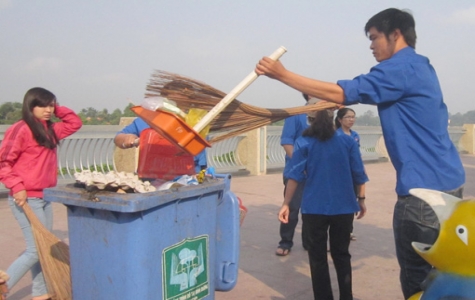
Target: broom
235, 119
3, 286
54, 258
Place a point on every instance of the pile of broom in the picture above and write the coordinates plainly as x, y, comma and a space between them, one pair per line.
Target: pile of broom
235, 119
54, 258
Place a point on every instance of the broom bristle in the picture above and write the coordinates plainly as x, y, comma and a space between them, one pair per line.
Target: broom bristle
235, 119
3, 286
54, 258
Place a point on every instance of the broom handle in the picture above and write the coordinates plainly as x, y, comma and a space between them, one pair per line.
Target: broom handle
31, 216
233, 94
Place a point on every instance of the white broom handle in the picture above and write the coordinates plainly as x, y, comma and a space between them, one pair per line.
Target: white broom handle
233, 94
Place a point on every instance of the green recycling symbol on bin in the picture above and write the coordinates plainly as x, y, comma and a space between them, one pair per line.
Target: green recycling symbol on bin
185, 270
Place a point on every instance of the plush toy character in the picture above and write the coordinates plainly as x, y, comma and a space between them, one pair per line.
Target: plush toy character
453, 253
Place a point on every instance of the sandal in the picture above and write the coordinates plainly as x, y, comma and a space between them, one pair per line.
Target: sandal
3, 285
281, 251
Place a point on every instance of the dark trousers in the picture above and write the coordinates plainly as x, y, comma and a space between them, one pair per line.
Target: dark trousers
287, 230
414, 221
317, 229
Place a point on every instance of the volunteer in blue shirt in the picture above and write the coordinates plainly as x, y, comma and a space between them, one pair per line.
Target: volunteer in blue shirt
405, 88
344, 120
331, 165
126, 139
293, 129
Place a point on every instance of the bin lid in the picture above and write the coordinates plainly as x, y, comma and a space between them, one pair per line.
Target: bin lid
131, 202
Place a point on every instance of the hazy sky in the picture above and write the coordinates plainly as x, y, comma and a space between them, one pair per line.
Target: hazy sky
101, 53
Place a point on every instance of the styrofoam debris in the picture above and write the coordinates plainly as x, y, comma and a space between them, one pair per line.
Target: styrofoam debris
114, 180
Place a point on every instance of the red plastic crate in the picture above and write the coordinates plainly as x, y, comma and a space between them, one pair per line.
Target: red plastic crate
158, 158
173, 129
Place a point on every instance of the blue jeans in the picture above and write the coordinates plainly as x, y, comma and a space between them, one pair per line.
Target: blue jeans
414, 221
29, 260
287, 230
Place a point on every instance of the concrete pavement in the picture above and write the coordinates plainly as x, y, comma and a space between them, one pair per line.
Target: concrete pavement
262, 274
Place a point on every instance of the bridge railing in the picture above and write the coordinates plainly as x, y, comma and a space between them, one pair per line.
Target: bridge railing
92, 148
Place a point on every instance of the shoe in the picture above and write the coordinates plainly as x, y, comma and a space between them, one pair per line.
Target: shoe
281, 251
3, 285
352, 237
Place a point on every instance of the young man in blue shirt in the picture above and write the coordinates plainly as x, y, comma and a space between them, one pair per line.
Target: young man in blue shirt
293, 129
414, 117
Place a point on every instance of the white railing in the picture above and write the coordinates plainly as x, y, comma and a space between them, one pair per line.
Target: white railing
92, 148
275, 153
223, 156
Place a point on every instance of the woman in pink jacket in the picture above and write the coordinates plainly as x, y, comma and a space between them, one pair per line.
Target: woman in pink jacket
28, 165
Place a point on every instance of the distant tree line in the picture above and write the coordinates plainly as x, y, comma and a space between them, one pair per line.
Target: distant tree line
91, 116
459, 119
368, 118
10, 112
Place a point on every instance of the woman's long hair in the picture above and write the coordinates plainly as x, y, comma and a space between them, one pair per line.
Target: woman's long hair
340, 114
39, 97
321, 127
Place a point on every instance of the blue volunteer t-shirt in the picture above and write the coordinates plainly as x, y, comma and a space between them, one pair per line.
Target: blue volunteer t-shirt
294, 126
353, 134
330, 169
414, 120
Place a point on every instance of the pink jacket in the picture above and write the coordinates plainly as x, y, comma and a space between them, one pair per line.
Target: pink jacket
25, 165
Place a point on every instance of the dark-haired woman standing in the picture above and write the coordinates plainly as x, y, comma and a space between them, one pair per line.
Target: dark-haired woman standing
344, 120
331, 163
28, 165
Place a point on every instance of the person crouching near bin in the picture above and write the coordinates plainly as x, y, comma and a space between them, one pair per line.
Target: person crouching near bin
330, 163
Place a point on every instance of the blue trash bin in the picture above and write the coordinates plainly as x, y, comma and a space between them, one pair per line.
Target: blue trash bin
177, 244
